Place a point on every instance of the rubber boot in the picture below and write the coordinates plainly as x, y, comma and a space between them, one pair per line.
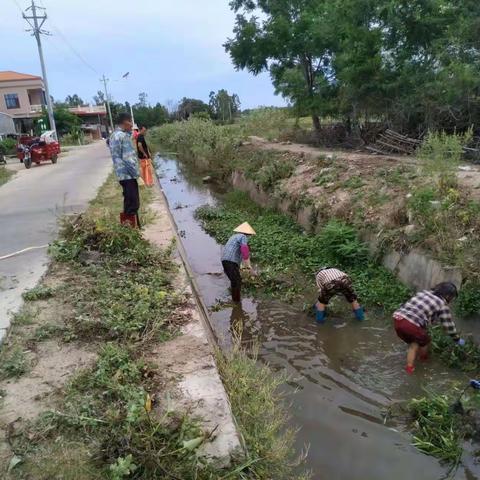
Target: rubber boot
320, 315
236, 295
128, 220
359, 314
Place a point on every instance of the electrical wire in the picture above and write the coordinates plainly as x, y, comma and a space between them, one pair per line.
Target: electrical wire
72, 48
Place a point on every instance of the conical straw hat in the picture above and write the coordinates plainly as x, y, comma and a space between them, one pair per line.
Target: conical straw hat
245, 228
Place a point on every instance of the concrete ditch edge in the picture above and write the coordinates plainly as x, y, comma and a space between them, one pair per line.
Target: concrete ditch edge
189, 360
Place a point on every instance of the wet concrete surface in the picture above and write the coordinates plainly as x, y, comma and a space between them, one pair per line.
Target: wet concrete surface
344, 375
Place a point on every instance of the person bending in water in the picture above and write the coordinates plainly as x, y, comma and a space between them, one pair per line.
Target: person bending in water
331, 282
412, 320
236, 250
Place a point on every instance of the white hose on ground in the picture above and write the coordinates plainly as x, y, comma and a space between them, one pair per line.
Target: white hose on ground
25, 250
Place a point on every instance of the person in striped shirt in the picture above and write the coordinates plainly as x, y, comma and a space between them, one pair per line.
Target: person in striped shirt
411, 320
331, 282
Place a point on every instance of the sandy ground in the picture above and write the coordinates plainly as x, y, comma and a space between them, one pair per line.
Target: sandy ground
468, 175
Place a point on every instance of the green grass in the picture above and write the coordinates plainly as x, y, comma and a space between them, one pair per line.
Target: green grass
290, 258
5, 175
261, 413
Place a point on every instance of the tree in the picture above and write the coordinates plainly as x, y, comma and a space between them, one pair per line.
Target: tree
65, 121
187, 106
293, 42
142, 99
224, 107
74, 101
99, 98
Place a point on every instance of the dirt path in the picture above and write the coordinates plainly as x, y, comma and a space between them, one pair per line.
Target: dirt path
468, 175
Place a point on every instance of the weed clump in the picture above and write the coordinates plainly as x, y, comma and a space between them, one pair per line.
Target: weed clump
13, 364
40, 292
438, 431
466, 358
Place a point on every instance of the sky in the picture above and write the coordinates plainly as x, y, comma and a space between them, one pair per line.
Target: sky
172, 49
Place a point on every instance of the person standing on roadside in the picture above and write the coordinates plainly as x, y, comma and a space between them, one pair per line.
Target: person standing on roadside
236, 250
145, 157
412, 320
125, 165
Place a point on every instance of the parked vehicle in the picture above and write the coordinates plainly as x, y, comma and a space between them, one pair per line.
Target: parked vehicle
38, 149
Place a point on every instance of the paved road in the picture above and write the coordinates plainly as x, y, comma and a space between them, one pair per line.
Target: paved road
30, 205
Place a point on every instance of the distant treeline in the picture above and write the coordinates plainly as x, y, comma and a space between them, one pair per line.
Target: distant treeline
412, 64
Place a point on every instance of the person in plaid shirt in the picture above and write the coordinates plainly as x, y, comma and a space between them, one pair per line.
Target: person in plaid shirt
331, 282
412, 320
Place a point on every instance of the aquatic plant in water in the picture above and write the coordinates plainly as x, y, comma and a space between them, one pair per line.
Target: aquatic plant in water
289, 257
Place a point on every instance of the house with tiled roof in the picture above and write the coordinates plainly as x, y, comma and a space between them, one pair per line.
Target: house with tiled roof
22, 96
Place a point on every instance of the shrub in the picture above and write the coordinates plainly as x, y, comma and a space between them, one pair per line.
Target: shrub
441, 154
201, 142
8, 146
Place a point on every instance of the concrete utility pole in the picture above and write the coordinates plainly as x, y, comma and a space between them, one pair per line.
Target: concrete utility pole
107, 100
37, 31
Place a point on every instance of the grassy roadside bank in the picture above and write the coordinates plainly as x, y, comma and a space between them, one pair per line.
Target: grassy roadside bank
89, 331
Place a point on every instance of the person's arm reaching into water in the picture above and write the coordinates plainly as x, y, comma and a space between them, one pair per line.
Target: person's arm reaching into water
245, 251
445, 318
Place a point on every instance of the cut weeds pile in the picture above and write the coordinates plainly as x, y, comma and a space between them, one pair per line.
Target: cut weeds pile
110, 294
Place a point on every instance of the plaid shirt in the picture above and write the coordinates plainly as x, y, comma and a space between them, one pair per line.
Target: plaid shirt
232, 251
329, 275
124, 156
426, 308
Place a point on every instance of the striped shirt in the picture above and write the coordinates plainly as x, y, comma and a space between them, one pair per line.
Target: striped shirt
328, 275
426, 308
232, 252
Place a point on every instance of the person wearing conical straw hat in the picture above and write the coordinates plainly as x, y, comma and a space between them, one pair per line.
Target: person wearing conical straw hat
235, 251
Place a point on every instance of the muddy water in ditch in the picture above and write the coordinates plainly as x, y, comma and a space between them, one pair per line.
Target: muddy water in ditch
344, 374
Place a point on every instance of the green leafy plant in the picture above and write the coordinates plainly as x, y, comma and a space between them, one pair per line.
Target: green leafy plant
123, 467
40, 292
437, 429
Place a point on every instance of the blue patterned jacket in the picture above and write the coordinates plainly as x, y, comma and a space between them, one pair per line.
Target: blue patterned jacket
124, 156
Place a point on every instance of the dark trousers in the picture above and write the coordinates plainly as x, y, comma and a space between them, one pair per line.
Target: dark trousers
131, 196
232, 271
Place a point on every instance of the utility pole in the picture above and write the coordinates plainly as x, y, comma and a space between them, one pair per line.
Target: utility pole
133, 118
107, 100
29, 16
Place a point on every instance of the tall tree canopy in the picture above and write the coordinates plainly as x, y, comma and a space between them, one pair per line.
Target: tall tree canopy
413, 63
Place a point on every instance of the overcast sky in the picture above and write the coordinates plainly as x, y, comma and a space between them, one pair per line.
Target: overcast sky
172, 49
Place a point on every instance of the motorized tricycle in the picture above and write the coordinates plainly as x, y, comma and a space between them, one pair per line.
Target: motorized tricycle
38, 149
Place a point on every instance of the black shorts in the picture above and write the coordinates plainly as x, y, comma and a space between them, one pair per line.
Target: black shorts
232, 271
342, 286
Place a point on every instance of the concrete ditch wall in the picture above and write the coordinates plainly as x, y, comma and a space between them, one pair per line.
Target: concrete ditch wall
189, 359
415, 268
